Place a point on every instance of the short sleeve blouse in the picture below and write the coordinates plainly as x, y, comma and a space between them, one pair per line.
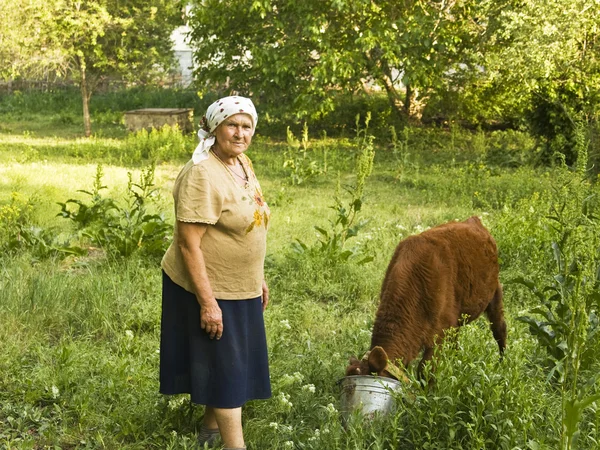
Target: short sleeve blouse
234, 245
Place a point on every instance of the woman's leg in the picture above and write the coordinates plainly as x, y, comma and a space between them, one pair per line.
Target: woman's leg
209, 421
230, 426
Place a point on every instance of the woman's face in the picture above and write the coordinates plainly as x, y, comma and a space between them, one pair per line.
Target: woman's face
233, 135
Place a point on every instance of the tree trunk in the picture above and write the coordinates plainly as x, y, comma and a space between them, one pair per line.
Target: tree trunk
408, 100
393, 97
85, 97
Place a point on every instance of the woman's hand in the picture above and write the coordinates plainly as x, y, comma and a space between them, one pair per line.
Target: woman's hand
265, 295
211, 320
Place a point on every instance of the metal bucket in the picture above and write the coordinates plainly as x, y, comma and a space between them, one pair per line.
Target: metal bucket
367, 394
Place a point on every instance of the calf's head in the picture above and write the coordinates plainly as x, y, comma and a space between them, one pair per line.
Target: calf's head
375, 362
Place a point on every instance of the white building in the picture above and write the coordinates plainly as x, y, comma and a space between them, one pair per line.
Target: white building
183, 53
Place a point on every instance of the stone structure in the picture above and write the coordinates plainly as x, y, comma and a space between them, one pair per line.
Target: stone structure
158, 117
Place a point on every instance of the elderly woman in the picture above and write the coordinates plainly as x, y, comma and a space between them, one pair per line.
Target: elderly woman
213, 343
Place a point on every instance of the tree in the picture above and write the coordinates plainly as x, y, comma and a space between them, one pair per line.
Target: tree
546, 55
21, 51
303, 52
110, 39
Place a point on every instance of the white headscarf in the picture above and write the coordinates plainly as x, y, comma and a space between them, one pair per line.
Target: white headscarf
217, 113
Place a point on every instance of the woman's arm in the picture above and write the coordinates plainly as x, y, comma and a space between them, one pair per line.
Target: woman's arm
265, 295
189, 238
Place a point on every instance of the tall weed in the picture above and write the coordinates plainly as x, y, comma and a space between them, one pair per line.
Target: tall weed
566, 322
346, 225
19, 232
300, 161
121, 229
165, 143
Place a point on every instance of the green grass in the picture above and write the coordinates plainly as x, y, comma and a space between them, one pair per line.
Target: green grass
80, 334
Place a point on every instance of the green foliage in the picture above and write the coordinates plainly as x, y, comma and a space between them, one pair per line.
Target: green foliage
18, 231
400, 150
305, 53
91, 41
546, 56
566, 322
68, 101
297, 160
95, 211
477, 399
121, 230
346, 225
165, 143
19, 44
510, 148
554, 119
78, 360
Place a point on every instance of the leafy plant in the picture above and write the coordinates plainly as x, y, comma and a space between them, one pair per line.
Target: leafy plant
19, 232
345, 225
121, 230
570, 302
164, 143
300, 165
400, 150
95, 211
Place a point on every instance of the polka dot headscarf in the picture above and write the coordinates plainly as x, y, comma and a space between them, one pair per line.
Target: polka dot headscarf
217, 113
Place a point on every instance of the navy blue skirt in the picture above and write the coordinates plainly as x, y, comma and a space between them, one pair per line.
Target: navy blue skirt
223, 373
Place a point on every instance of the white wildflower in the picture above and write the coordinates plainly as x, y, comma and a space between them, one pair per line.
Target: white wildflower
331, 408
274, 425
129, 334
55, 392
309, 388
284, 400
286, 324
289, 444
296, 377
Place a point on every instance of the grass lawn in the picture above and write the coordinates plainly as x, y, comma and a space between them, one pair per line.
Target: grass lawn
80, 331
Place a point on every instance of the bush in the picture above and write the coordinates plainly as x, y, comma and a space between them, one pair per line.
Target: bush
510, 148
166, 143
121, 230
19, 232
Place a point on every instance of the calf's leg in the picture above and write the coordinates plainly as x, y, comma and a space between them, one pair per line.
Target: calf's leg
495, 314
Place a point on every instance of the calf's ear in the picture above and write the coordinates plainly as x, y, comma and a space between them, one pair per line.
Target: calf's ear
378, 359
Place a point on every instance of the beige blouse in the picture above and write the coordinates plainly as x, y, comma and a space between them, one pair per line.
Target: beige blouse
234, 244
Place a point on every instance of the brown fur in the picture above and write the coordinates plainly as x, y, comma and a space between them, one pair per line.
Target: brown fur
433, 280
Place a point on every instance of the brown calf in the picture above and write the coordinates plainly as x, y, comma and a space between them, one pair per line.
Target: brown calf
433, 280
